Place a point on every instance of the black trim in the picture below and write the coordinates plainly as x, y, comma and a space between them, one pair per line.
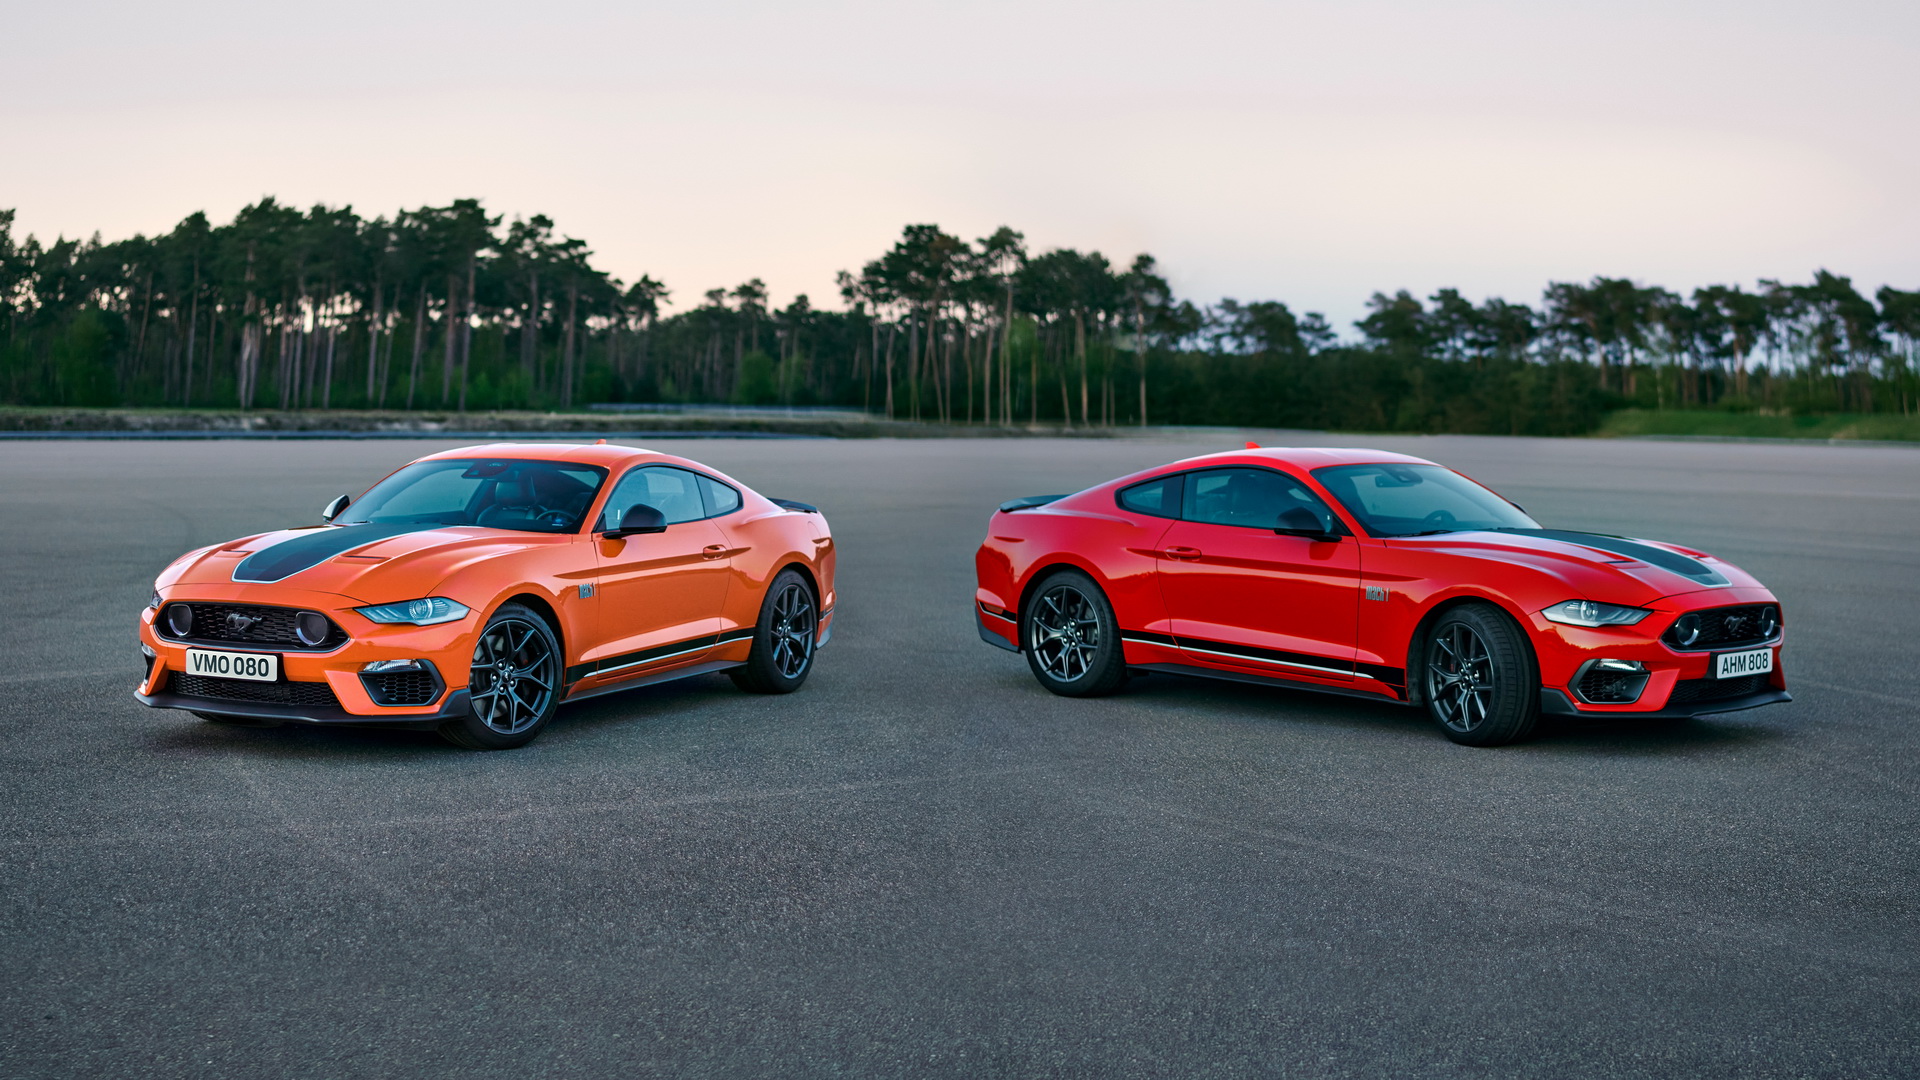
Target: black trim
1252, 652
1671, 561
313, 547
1270, 680
1028, 502
653, 678
980, 623
1554, 702
789, 504
455, 707
658, 652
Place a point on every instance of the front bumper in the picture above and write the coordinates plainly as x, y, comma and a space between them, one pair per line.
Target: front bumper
1555, 702
452, 707
1564, 651
447, 646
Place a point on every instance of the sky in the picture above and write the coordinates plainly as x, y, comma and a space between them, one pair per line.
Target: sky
1307, 152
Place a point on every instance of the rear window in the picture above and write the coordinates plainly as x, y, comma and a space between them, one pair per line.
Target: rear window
1159, 498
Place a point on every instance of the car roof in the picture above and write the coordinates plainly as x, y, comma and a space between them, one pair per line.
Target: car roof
604, 454
1303, 457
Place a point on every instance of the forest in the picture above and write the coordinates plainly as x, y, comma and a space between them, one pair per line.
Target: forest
454, 308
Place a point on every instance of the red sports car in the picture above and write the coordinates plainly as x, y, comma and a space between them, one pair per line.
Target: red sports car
1372, 574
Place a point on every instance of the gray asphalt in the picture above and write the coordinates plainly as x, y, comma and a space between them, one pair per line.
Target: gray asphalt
924, 865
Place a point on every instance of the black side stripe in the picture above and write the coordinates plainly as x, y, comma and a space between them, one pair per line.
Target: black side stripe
1392, 676
658, 652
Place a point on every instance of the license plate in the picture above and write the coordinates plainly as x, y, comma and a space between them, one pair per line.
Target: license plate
251, 666
1732, 665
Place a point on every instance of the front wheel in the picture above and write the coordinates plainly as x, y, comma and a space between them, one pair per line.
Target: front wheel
1072, 637
783, 638
1480, 679
514, 684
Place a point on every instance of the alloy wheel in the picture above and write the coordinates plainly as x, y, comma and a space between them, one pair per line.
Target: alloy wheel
1065, 632
793, 630
513, 676
1460, 677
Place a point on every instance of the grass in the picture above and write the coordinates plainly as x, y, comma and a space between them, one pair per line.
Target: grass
1838, 426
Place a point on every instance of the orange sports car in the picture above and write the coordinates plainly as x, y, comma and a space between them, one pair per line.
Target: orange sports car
474, 590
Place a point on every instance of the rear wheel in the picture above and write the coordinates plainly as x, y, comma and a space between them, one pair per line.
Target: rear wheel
1480, 680
1072, 638
783, 638
514, 684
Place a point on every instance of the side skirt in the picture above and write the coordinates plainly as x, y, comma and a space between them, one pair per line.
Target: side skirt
1268, 680
654, 678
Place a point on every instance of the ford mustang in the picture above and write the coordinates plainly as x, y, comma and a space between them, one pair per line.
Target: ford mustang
1373, 574
474, 590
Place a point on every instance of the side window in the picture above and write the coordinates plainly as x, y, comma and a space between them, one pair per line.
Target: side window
1160, 498
673, 492
721, 499
1254, 498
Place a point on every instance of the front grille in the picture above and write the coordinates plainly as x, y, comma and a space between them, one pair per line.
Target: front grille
1600, 686
275, 627
402, 687
1689, 691
309, 694
1727, 627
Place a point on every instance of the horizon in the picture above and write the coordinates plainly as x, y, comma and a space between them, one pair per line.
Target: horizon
1310, 154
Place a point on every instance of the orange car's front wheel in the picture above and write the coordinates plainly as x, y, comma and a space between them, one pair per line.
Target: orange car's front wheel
514, 684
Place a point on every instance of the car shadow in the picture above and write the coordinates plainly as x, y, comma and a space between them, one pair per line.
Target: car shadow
1552, 733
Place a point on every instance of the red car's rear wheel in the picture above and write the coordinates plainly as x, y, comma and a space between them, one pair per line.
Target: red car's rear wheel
1072, 638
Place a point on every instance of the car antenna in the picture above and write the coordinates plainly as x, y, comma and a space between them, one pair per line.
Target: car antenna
1253, 446
599, 442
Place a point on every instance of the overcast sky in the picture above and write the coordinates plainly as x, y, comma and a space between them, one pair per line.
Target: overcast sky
1307, 152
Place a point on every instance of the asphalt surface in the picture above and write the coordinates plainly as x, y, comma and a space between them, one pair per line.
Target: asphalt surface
924, 865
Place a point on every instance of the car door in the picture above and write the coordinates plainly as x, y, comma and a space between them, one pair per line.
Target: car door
1239, 593
660, 594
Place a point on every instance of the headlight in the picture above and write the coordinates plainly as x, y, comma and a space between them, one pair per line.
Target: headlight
1594, 613
433, 609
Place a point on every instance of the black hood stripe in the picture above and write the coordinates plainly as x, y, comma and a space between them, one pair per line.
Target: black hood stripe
308, 549
1671, 561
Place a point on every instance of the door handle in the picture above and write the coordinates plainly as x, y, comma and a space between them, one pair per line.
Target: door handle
1184, 553
714, 551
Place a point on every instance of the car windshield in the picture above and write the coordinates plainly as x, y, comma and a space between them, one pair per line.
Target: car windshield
493, 493
1417, 500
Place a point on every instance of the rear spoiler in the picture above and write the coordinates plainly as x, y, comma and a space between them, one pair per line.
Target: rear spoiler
1029, 502
789, 504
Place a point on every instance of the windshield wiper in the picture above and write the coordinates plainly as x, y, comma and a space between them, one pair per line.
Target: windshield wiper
1431, 532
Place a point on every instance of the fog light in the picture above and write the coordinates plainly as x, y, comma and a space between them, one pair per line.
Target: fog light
382, 667
180, 619
1687, 630
146, 650
1769, 621
311, 628
1610, 682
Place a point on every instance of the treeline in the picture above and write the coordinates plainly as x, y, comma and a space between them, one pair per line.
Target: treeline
450, 308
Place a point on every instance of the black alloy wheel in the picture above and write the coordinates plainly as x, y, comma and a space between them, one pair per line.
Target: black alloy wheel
1072, 638
783, 639
1479, 677
514, 684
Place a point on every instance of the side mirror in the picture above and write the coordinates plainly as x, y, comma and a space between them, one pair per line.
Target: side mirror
1312, 524
639, 518
335, 508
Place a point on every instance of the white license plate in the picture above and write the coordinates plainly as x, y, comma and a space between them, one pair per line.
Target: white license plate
251, 666
1732, 665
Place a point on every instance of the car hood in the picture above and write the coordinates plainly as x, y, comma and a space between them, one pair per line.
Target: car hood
1615, 569
371, 563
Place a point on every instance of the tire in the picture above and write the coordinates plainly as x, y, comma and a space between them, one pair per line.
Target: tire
236, 721
1071, 637
783, 638
1480, 679
514, 685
